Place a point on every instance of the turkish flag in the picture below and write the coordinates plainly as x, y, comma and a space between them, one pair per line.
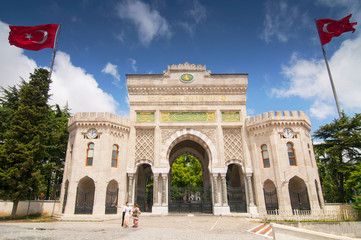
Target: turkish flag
328, 28
33, 38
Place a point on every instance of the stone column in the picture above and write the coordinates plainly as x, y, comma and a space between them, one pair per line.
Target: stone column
224, 190
155, 189
164, 188
130, 187
250, 190
215, 188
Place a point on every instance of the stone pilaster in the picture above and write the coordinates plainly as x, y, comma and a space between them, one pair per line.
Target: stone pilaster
224, 190
130, 187
215, 188
164, 189
155, 189
250, 189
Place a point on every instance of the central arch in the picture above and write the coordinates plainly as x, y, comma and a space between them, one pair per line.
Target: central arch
190, 198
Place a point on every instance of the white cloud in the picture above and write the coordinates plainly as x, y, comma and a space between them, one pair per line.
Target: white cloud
13, 63
149, 23
79, 89
133, 63
198, 14
282, 21
112, 70
308, 79
70, 84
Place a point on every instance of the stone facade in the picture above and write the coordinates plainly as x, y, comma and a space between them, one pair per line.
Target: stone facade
250, 165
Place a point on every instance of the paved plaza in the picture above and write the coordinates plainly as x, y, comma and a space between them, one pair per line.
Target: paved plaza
150, 227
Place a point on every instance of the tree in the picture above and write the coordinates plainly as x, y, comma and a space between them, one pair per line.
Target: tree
186, 170
338, 155
24, 144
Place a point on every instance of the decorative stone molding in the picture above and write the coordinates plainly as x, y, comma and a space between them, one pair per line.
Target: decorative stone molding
186, 67
209, 132
233, 144
189, 90
271, 119
99, 120
144, 146
143, 161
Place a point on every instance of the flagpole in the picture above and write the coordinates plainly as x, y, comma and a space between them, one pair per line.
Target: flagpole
56, 46
330, 76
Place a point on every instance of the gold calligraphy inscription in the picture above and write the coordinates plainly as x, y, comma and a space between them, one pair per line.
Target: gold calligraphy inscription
188, 116
145, 117
230, 116
188, 98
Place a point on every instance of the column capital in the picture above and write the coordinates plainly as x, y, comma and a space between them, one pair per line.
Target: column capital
223, 175
130, 175
164, 175
156, 174
215, 175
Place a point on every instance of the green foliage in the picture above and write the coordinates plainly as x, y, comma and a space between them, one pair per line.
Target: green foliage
338, 156
186, 170
33, 139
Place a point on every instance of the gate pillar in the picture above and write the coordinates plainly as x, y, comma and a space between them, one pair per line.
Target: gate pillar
164, 189
224, 190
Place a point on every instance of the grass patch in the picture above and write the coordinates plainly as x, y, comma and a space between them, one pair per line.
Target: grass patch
31, 218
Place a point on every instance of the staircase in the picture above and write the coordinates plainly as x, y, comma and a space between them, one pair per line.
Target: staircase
264, 230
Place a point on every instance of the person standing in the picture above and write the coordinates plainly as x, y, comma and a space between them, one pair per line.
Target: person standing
128, 211
136, 213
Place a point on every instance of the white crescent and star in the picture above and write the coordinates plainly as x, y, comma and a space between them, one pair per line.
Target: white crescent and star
45, 36
325, 28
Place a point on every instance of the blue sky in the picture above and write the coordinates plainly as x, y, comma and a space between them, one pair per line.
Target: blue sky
274, 41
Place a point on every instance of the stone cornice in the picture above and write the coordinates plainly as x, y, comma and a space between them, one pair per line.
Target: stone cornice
176, 103
186, 90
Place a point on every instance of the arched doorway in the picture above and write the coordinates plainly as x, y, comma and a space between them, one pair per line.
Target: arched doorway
111, 200
144, 188
298, 194
236, 194
270, 196
85, 196
190, 160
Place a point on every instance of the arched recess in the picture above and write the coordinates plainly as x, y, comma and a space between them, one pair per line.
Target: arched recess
65, 195
236, 194
85, 196
189, 134
270, 196
298, 194
111, 199
190, 198
144, 187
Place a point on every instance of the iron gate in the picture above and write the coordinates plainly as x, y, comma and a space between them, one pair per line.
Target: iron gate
235, 200
84, 202
300, 200
145, 199
190, 199
111, 202
271, 199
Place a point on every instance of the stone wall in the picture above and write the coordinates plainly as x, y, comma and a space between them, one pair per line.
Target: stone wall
46, 208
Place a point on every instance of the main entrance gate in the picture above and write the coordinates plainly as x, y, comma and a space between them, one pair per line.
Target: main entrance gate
190, 189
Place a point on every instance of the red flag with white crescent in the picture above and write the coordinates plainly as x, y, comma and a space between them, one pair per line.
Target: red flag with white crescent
33, 38
329, 28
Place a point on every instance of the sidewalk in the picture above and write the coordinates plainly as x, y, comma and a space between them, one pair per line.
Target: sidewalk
157, 228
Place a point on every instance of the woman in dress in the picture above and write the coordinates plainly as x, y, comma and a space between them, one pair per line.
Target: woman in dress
136, 213
128, 211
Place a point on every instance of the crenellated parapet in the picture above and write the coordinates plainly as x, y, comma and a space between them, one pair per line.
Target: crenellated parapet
99, 119
278, 118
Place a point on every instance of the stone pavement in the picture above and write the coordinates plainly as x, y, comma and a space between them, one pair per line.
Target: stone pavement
150, 228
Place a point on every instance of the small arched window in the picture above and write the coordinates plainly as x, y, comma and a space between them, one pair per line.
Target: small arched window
115, 156
291, 154
265, 157
90, 155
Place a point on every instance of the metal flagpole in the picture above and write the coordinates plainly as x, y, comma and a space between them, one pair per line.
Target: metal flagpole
332, 85
56, 46
330, 75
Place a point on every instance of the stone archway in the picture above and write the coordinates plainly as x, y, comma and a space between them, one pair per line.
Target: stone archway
144, 187
111, 200
298, 194
270, 196
85, 196
190, 198
236, 194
